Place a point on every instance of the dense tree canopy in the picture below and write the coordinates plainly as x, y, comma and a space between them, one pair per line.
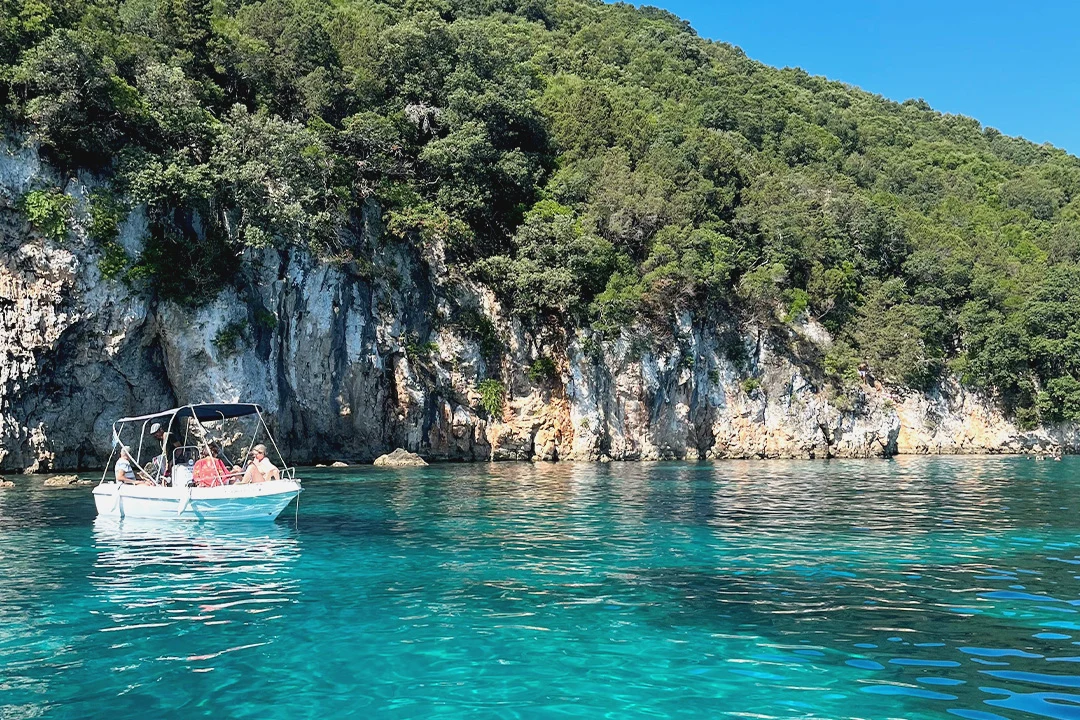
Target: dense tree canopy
590, 162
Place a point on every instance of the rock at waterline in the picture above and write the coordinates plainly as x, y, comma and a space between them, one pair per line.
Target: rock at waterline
344, 464
4, 482
62, 481
400, 458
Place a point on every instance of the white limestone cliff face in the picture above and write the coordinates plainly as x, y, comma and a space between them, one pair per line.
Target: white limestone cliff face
75, 352
353, 362
951, 420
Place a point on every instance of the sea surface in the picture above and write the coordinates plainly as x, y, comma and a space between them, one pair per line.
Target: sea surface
910, 588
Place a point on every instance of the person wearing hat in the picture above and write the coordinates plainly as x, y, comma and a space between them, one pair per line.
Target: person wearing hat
165, 460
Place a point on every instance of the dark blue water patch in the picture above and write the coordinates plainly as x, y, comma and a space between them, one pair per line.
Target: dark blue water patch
917, 662
756, 674
908, 691
1009, 595
1068, 681
975, 714
997, 652
865, 664
1059, 706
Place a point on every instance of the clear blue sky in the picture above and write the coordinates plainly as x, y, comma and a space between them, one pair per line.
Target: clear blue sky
1014, 66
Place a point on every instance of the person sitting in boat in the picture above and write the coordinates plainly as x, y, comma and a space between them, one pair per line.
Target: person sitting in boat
260, 469
125, 470
216, 451
209, 470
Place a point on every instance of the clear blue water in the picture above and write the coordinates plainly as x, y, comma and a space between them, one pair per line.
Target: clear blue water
914, 588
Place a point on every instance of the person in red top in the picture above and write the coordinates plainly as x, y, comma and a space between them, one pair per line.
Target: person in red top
210, 471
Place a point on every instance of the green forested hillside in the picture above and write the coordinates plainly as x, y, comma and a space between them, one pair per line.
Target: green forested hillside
594, 164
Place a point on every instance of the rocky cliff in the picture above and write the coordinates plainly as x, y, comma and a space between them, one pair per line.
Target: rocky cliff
354, 360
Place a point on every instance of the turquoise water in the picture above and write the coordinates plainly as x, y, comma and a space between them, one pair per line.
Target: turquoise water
913, 588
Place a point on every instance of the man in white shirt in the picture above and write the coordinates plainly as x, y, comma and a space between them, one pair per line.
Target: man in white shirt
125, 470
260, 469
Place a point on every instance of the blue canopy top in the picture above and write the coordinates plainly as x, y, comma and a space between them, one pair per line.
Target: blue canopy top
203, 412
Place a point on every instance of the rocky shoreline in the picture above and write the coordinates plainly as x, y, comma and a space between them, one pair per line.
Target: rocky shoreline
352, 362
52, 480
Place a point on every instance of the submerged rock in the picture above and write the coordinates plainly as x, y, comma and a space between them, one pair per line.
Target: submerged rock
62, 481
400, 458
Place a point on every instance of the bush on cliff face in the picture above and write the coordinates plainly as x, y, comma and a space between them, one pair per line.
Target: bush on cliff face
492, 397
595, 164
114, 261
49, 211
543, 371
106, 214
229, 339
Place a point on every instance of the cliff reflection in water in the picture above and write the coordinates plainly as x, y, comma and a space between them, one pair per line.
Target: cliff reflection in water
751, 496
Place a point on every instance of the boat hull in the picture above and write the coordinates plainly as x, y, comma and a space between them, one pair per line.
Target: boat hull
243, 502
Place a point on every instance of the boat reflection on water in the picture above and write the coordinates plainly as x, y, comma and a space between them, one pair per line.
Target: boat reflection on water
154, 574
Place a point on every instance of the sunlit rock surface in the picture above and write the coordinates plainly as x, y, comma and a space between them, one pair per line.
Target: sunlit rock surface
400, 458
352, 362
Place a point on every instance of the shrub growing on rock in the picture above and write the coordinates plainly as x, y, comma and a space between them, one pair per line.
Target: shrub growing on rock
492, 397
49, 211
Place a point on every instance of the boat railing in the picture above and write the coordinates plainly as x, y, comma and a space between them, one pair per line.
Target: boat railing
186, 456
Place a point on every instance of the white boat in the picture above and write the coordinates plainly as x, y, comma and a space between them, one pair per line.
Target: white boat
171, 494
